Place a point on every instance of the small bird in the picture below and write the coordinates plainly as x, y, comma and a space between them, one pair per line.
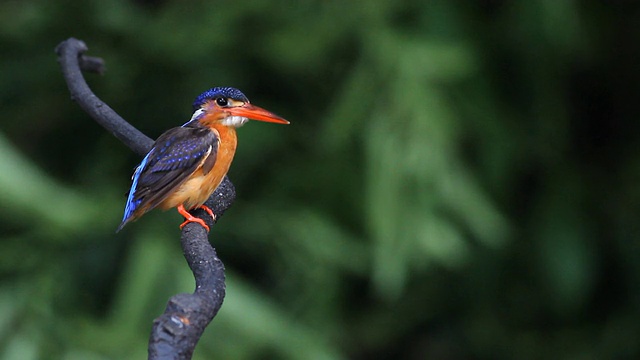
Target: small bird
187, 163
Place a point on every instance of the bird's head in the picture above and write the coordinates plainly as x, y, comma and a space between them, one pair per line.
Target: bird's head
229, 107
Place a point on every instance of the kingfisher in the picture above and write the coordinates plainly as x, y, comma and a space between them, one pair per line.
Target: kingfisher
187, 163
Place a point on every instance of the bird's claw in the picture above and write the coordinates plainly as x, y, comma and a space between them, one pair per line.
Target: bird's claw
209, 211
195, 220
190, 218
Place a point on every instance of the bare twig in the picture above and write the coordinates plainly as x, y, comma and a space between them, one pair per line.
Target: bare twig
72, 61
176, 332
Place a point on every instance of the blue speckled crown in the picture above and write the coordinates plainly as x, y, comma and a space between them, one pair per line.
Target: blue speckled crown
227, 92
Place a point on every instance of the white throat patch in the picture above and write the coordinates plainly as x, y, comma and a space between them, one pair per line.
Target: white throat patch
235, 121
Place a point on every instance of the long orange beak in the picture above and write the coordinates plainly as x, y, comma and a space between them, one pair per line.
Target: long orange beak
256, 113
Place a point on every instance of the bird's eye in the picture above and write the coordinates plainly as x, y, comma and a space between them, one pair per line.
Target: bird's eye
222, 101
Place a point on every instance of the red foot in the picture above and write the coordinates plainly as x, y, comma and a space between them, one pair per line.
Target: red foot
209, 211
190, 218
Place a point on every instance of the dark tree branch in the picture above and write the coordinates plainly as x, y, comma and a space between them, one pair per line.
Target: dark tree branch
176, 332
72, 61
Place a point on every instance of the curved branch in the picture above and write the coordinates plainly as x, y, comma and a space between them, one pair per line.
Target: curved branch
176, 332
72, 61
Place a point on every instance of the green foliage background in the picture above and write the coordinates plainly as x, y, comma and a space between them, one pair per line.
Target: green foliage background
459, 179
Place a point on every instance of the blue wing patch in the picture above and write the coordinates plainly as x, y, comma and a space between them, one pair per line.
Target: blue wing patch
174, 157
132, 204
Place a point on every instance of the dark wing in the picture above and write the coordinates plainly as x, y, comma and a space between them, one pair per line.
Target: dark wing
176, 155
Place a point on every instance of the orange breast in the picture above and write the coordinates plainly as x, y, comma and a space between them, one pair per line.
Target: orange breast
199, 187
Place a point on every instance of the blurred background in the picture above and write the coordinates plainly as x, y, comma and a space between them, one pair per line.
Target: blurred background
459, 179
